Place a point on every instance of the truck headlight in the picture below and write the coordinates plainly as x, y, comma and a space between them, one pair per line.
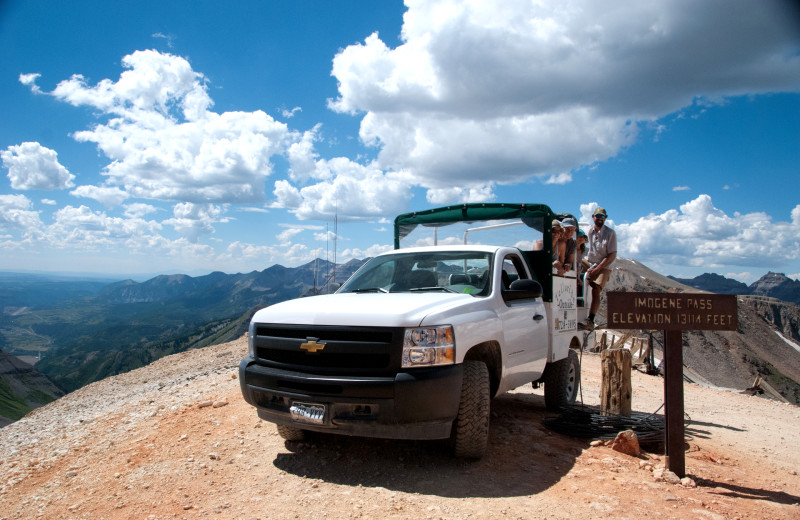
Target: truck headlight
429, 346
251, 340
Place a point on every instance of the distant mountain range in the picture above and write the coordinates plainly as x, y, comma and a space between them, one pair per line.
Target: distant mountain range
773, 285
89, 330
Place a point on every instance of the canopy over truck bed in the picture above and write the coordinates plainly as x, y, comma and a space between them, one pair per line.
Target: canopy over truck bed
522, 225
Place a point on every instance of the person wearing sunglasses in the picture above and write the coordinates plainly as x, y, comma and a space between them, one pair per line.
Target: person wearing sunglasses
601, 252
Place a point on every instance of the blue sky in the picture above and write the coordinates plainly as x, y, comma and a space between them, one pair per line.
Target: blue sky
140, 138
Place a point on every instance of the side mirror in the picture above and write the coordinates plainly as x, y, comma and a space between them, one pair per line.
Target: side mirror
523, 290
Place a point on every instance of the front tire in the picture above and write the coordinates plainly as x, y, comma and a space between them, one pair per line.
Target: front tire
562, 380
471, 427
291, 434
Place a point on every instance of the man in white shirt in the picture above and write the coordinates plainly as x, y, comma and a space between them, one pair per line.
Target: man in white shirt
601, 252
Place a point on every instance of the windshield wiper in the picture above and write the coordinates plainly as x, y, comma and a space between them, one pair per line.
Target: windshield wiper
370, 289
432, 288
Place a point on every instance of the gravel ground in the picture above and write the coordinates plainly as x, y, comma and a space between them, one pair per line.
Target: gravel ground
176, 440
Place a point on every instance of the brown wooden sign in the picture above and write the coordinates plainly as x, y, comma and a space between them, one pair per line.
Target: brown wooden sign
672, 313
668, 311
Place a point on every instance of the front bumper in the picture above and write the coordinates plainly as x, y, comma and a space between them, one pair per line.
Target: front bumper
417, 404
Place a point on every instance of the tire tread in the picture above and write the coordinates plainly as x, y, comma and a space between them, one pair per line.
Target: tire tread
471, 427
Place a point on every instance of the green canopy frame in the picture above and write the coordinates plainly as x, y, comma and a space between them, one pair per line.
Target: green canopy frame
536, 216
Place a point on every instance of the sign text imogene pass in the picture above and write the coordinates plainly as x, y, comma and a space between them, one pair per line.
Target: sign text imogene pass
667, 311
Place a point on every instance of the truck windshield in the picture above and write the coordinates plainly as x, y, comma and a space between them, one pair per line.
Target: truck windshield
466, 272
506, 232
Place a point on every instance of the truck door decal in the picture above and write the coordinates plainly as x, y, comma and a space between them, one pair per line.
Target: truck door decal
565, 310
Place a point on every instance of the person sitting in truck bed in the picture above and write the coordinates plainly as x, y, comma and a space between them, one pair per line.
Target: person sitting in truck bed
558, 246
580, 252
581, 264
570, 245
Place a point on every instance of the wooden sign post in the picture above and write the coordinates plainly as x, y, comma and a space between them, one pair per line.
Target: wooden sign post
672, 313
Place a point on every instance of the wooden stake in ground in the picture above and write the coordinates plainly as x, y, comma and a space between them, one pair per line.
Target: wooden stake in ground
616, 391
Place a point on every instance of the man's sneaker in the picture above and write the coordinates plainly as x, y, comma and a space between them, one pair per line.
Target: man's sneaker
587, 324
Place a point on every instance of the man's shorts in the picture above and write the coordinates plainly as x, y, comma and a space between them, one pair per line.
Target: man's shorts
602, 278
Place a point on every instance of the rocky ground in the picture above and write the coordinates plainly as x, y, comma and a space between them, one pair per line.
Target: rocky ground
175, 440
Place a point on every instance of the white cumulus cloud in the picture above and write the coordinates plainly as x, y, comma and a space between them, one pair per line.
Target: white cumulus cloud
702, 235
523, 89
193, 220
139, 209
108, 196
354, 191
16, 214
29, 80
82, 228
164, 142
32, 166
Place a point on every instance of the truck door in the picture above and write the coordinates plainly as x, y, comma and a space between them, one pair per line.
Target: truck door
525, 330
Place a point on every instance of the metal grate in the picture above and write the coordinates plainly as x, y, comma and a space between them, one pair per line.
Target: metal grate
343, 350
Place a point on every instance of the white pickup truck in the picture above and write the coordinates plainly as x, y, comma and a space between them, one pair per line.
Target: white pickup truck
420, 339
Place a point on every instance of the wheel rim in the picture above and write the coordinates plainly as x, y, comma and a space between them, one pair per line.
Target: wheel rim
570, 387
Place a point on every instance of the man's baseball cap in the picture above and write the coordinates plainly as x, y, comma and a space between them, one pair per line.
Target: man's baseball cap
569, 222
600, 211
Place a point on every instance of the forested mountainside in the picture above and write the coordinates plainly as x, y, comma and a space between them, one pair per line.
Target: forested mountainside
22, 388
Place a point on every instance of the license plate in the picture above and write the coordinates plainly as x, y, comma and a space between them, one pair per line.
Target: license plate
308, 413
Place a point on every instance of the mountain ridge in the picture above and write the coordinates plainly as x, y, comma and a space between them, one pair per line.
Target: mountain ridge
773, 285
767, 343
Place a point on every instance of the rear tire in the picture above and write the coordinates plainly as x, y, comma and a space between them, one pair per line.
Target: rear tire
562, 380
291, 434
471, 427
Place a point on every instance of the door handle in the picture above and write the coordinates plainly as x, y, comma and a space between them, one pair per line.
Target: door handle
538, 317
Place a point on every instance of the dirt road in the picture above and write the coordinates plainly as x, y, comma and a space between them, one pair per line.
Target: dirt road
175, 440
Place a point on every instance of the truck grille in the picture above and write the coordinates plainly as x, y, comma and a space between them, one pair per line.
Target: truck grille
329, 349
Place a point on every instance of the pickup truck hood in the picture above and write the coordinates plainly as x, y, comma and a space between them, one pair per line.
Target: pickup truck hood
365, 309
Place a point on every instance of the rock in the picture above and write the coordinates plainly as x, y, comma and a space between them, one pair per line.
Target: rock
669, 477
220, 404
627, 442
665, 475
204, 404
595, 444
688, 482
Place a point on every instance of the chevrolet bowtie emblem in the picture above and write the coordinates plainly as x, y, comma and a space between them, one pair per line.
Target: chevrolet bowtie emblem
312, 345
